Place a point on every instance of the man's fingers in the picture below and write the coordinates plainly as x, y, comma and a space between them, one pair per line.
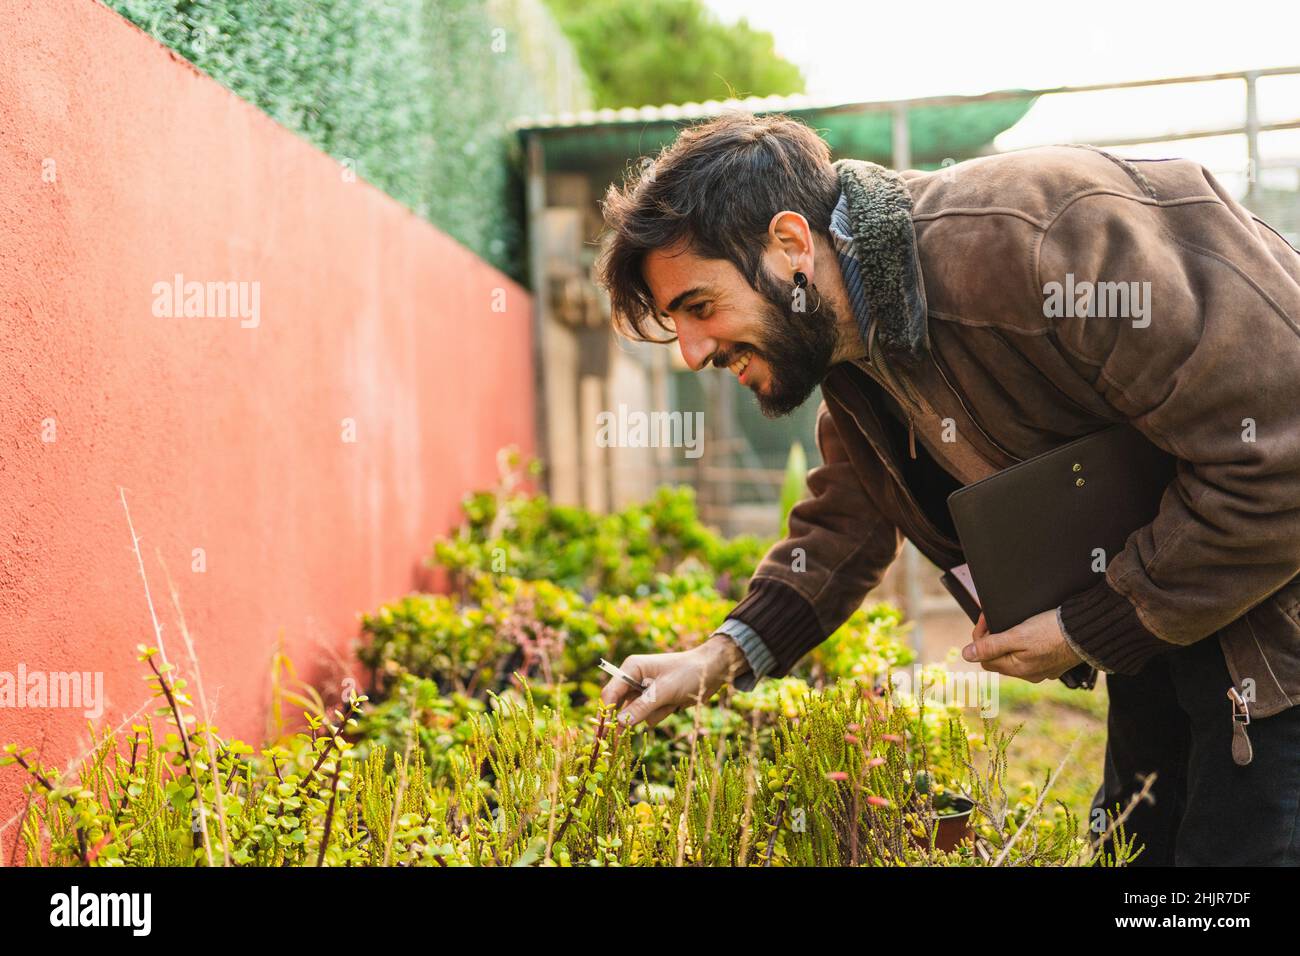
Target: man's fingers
1005, 665
640, 709
1032, 650
661, 677
616, 689
981, 628
654, 718
1009, 665
991, 646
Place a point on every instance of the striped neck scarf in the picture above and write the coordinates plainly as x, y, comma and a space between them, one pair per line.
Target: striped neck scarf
850, 267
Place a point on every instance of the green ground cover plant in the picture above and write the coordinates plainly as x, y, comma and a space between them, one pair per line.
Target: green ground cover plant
849, 782
482, 740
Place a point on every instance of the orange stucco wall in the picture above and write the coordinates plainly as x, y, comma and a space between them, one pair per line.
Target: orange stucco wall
123, 167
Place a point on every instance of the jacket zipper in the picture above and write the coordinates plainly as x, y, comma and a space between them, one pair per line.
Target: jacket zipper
909, 399
886, 380
966, 408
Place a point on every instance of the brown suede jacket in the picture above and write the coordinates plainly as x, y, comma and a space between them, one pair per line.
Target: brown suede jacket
992, 363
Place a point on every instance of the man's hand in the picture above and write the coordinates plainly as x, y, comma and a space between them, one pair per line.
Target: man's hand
676, 679
1035, 650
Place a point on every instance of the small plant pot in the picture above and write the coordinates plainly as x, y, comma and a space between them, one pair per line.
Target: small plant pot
953, 827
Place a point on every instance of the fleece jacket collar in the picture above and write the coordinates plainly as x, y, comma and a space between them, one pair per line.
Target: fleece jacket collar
880, 214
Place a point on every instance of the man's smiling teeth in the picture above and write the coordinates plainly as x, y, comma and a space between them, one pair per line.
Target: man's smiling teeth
739, 366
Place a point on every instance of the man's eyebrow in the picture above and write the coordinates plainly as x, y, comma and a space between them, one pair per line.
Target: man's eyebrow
674, 305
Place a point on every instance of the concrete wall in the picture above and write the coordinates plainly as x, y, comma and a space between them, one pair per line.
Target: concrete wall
122, 169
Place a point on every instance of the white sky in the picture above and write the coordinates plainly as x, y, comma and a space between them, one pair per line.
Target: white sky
860, 50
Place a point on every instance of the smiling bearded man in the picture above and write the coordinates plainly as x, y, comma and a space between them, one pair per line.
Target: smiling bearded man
924, 306
794, 345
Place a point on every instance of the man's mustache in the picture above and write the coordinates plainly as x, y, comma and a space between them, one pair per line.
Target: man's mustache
724, 359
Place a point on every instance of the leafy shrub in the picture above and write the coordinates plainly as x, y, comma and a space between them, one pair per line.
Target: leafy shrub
410, 93
626, 552
648, 577
511, 628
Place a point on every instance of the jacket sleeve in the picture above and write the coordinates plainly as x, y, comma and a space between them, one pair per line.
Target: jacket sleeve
838, 549
1206, 364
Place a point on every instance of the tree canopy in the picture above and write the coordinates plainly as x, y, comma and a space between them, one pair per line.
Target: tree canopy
649, 52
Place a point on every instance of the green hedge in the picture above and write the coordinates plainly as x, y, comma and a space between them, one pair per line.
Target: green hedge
410, 91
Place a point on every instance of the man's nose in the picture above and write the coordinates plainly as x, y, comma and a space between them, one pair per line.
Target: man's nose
696, 349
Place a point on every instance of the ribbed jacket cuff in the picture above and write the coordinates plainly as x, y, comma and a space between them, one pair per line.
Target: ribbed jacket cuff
1103, 623
1074, 646
757, 655
783, 618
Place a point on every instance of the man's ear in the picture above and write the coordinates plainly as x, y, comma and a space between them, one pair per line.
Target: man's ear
790, 236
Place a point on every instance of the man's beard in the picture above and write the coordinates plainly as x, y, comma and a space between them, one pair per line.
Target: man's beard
797, 347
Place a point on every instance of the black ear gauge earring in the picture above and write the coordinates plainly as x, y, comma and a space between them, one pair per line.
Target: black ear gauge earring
801, 282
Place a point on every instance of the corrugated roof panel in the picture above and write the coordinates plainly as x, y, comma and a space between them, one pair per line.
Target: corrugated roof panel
951, 128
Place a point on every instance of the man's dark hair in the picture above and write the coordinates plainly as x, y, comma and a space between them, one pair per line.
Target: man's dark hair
716, 187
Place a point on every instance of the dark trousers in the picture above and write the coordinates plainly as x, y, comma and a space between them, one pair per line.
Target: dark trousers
1174, 718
